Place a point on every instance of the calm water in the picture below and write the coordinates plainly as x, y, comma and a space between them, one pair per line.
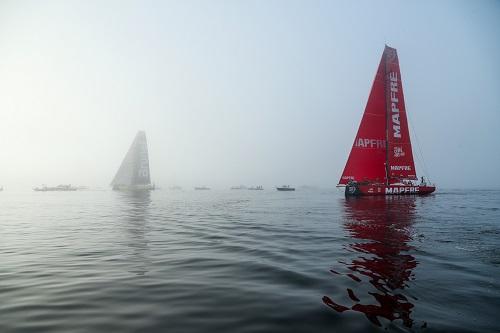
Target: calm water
249, 261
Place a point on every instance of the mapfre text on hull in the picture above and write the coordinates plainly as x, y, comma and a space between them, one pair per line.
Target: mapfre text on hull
354, 189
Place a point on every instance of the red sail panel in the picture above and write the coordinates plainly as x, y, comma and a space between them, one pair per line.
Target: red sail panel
399, 156
368, 154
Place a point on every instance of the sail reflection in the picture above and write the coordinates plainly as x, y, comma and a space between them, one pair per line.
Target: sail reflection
137, 204
381, 230
136, 213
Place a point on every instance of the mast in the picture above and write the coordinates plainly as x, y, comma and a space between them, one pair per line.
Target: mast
386, 164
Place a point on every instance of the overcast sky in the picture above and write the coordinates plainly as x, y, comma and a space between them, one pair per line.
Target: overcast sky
240, 92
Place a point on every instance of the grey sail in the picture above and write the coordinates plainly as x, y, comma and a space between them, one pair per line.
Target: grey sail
134, 170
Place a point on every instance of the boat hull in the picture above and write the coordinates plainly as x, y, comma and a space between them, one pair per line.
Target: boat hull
285, 189
377, 190
146, 187
53, 190
60, 188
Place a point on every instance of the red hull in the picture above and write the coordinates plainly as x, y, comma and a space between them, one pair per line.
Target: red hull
371, 190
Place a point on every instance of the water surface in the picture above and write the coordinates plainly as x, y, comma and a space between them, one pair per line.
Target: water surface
249, 261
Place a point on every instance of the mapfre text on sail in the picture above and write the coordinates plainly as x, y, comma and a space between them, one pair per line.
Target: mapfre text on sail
396, 124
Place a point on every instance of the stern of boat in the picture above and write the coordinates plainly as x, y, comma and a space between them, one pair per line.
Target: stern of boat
352, 190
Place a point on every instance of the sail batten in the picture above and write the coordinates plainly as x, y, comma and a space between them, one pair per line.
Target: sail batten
134, 170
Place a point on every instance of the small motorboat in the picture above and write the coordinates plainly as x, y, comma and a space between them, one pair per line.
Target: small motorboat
285, 188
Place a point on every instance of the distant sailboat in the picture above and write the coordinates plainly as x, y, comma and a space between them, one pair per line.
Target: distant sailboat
381, 158
133, 173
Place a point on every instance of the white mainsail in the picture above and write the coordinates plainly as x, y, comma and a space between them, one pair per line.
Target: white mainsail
134, 170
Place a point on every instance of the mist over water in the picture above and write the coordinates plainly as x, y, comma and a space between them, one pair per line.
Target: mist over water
260, 93
250, 261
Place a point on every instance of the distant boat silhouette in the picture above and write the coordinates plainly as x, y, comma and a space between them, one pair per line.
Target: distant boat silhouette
256, 188
285, 188
133, 173
45, 188
201, 188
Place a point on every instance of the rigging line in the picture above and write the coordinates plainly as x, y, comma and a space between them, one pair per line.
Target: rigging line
426, 172
420, 156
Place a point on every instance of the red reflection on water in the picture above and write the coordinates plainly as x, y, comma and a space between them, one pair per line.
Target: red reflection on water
380, 228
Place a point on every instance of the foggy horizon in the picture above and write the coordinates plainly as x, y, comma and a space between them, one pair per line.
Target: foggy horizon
230, 93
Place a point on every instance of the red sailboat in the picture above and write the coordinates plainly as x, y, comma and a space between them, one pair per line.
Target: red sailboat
381, 158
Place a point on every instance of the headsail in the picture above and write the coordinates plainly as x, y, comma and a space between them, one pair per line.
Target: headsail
134, 169
382, 147
368, 153
399, 154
